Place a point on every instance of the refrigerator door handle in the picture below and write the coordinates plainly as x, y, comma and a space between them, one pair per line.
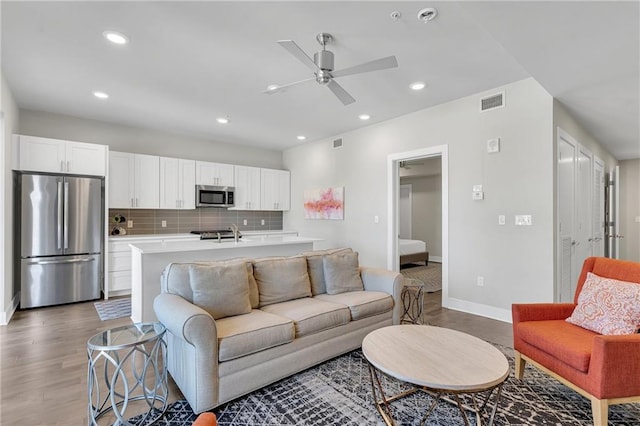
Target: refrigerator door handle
60, 213
66, 215
53, 262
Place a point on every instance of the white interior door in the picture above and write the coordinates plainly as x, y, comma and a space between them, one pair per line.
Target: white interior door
597, 243
584, 212
615, 214
566, 215
404, 212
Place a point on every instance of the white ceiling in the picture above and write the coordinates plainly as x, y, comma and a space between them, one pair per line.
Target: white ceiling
190, 62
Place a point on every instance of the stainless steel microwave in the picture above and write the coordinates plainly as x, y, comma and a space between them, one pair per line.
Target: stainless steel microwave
214, 196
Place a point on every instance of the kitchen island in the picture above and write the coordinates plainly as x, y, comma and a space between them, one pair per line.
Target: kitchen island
149, 260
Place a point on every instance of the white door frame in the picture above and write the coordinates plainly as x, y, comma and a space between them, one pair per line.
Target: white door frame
393, 191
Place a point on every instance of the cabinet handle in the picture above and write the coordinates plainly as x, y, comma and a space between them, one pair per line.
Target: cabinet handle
68, 164
131, 204
61, 166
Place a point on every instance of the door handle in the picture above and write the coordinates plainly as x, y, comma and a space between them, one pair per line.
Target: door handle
66, 215
56, 262
575, 243
60, 214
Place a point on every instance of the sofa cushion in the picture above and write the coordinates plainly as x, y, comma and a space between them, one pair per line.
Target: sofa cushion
175, 278
341, 273
608, 306
242, 335
362, 304
311, 315
281, 278
315, 268
221, 290
568, 343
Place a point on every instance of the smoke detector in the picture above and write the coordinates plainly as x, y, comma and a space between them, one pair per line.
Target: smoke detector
427, 14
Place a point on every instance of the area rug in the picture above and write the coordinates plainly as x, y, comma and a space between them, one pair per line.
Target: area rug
112, 309
430, 275
338, 392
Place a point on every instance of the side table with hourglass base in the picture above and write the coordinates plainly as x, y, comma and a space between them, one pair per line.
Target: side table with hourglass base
127, 370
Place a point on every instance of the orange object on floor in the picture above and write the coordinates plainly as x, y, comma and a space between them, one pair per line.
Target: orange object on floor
605, 369
206, 419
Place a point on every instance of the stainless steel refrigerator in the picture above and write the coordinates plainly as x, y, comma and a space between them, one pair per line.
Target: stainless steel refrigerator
61, 238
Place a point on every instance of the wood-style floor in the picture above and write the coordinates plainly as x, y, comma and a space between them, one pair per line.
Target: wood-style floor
43, 358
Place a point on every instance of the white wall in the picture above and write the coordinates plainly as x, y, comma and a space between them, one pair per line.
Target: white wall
517, 263
426, 211
7, 295
630, 209
143, 141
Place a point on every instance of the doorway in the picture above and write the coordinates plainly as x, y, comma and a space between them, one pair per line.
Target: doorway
393, 181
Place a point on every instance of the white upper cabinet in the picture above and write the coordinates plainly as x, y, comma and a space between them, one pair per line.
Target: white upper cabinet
247, 184
134, 180
216, 174
275, 189
177, 183
59, 156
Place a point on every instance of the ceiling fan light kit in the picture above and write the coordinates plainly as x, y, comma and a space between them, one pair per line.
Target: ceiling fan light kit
322, 67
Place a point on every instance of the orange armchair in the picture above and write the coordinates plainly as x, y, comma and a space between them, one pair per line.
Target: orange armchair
206, 419
605, 369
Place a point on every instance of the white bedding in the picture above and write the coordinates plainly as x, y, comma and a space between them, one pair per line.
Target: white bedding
411, 246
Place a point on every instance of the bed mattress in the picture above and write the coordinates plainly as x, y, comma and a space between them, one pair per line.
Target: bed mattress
411, 246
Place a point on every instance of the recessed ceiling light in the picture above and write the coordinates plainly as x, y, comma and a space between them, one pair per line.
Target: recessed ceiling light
364, 116
100, 95
222, 120
116, 37
272, 87
301, 137
418, 85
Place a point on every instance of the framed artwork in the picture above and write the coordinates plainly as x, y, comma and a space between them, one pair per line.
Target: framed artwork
325, 203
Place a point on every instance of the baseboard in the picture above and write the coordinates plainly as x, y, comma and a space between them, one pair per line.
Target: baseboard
436, 259
487, 311
6, 316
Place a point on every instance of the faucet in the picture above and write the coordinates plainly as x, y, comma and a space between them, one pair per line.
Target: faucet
236, 232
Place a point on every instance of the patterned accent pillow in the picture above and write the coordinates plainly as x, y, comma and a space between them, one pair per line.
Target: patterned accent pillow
608, 306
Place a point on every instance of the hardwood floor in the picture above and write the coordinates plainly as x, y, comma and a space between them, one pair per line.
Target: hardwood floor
43, 358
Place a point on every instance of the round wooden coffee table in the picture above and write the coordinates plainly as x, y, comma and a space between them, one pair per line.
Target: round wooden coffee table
436, 360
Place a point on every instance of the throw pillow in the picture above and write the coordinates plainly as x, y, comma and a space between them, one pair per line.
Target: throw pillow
341, 273
315, 267
281, 279
608, 306
221, 290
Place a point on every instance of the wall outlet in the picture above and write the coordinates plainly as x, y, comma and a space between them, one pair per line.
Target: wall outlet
493, 145
502, 219
244, 222
262, 222
376, 219
478, 195
523, 220
164, 224
637, 218
480, 281
129, 224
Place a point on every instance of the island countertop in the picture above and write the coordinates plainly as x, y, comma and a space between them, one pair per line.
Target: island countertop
171, 246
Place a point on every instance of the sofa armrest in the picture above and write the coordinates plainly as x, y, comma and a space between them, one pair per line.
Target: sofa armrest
186, 321
390, 282
541, 311
615, 365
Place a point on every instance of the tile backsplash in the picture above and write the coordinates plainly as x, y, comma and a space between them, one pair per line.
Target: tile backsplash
149, 221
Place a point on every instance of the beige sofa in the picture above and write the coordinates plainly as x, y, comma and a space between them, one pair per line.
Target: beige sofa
287, 314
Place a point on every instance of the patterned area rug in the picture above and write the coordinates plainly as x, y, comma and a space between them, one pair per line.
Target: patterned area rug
338, 392
430, 275
112, 309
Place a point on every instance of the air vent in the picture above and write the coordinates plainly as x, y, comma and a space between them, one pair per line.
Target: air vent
337, 143
492, 102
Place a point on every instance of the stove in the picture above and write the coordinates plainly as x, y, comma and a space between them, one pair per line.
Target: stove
216, 234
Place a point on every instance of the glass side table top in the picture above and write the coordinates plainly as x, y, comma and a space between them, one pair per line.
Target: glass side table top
126, 336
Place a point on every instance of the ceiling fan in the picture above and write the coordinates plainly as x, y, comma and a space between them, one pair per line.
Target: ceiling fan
322, 67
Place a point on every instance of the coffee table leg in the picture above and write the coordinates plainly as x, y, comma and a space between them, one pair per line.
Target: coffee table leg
386, 411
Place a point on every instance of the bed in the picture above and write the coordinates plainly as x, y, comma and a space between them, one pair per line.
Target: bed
413, 251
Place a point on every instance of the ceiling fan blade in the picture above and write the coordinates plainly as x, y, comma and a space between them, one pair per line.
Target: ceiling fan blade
295, 50
378, 64
278, 88
340, 93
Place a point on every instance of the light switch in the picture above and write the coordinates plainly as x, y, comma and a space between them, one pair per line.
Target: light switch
376, 219
478, 195
164, 223
502, 219
477, 188
244, 222
637, 218
129, 224
262, 222
493, 145
523, 220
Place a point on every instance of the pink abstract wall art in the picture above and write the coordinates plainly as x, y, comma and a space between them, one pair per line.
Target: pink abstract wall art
326, 203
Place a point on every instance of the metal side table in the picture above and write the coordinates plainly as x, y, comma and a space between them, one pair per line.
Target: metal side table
412, 301
132, 361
